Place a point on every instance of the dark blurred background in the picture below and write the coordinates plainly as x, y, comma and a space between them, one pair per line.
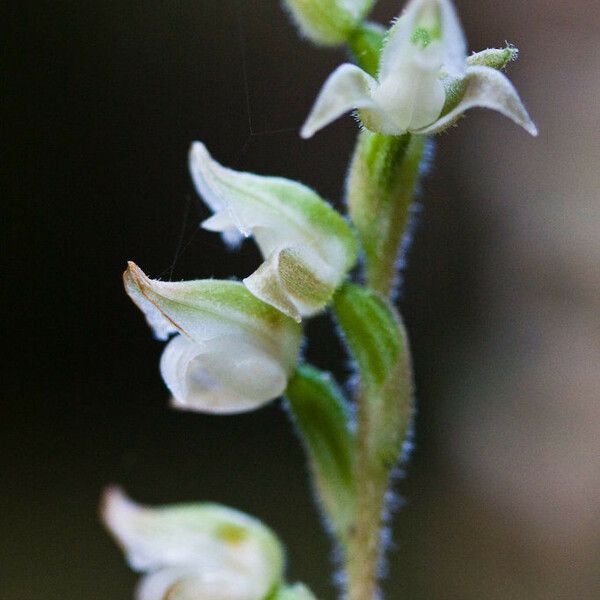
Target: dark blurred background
501, 296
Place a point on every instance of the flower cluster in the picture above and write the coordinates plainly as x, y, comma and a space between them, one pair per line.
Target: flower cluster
236, 344
227, 333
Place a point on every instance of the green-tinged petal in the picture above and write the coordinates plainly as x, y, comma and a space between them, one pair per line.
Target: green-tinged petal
208, 308
347, 88
485, 87
307, 245
422, 24
425, 41
195, 551
328, 22
234, 352
322, 417
294, 282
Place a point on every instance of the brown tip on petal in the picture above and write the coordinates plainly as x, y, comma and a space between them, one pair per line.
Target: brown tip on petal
133, 275
129, 273
133, 269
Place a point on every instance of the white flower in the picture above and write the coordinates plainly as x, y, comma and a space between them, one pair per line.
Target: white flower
308, 247
232, 353
328, 22
423, 58
195, 551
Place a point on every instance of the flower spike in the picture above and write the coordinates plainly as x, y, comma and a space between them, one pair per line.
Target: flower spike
423, 63
307, 246
232, 353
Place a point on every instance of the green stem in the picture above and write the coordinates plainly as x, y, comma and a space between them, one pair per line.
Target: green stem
377, 339
383, 176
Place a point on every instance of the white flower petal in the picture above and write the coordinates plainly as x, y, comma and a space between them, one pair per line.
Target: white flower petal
184, 583
424, 13
347, 88
223, 375
454, 43
414, 96
487, 88
194, 547
222, 223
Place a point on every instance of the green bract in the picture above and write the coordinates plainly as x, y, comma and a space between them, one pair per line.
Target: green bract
328, 22
308, 247
321, 415
233, 352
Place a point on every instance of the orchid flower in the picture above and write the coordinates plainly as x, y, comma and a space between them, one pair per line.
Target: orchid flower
423, 63
307, 246
231, 352
198, 551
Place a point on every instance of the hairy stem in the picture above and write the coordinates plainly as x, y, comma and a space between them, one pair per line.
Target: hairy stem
377, 339
363, 549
